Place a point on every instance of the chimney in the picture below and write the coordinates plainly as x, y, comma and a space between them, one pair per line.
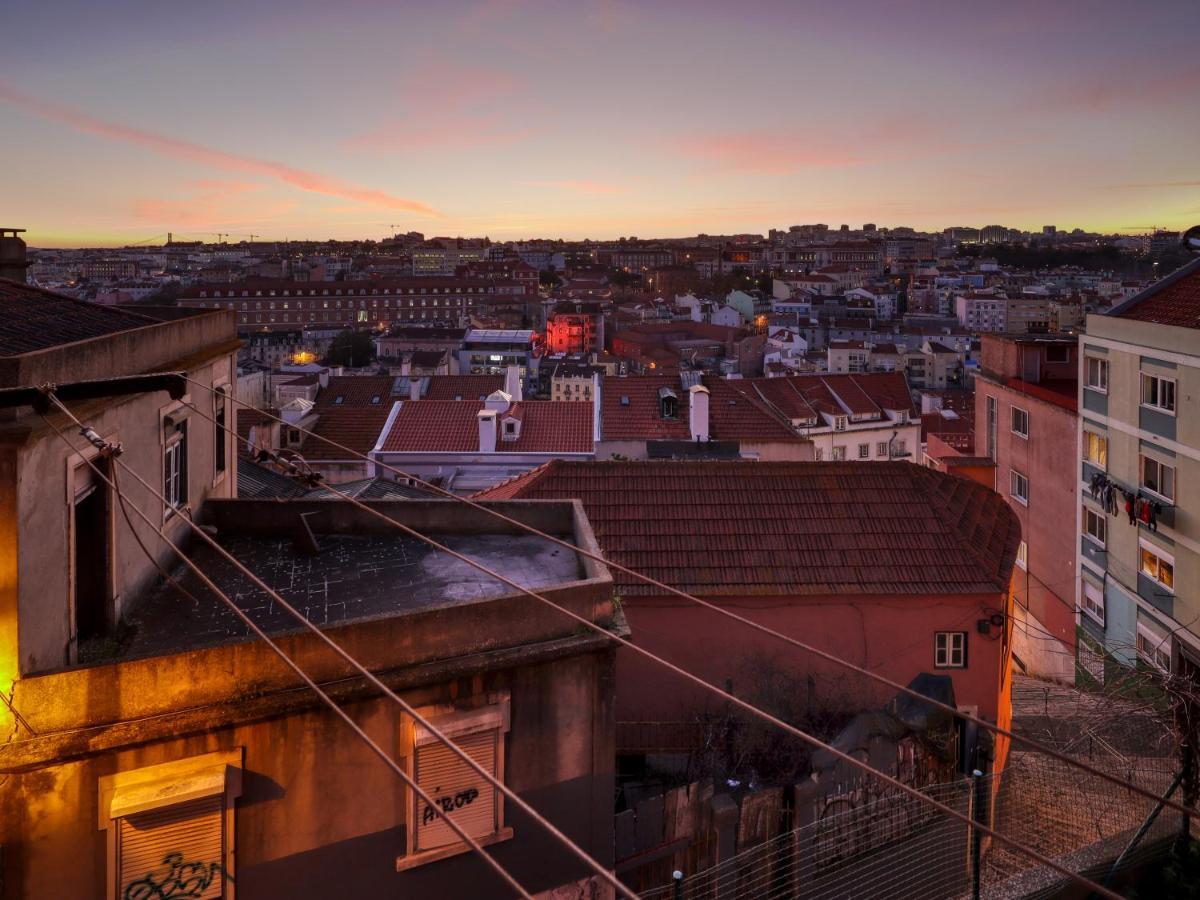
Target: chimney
512, 383
12, 254
414, 388
323, 378
498, 401
698, 411
487, 430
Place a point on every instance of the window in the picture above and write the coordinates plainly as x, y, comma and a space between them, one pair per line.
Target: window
1158, 477
1093, 601
864, 451
838, 453
991, 427
1154, 644
1020, 422
1094, 525
160, 845
1158, 393
1019, 487
950, 650
1058, 354
1022, 555
175, 464
1095, 449
220, 436
839, 423
881, 449
1096, 374
457, 789
818, 454
1158, 566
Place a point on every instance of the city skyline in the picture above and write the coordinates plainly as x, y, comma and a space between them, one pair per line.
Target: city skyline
522, 119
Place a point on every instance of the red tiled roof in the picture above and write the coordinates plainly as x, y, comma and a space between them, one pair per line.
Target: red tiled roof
1174, 301
357, 427
463, 387
547, 426
35, 319
732, 414
357, 390
803, 396
740, 528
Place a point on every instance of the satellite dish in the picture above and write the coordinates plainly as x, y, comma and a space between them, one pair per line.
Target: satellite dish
1191, 239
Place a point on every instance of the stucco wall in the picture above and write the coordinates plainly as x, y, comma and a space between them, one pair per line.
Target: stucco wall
893, 636
320, 816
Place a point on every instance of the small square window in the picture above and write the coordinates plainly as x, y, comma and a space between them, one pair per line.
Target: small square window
950, 650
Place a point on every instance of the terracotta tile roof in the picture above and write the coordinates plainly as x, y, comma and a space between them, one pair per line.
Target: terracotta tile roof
733, 415
357, 427
246, 418
740, 528
547, 426
462, 387
357, 390
801, 397
35, 319
1173, 301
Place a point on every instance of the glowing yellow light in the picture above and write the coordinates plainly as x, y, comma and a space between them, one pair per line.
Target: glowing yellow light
303, 357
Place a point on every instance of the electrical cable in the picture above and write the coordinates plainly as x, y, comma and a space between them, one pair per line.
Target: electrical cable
366, 673
825, 655
728, 698
342, 714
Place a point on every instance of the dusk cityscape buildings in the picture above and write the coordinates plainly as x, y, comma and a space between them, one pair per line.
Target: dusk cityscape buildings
605, 450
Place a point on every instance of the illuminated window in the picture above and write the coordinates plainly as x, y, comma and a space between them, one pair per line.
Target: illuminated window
1095, 449
1158, 566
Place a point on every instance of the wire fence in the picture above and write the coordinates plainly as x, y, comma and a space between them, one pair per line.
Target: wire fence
900, 848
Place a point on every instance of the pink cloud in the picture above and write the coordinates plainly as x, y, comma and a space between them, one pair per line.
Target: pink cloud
206, 156
211, 203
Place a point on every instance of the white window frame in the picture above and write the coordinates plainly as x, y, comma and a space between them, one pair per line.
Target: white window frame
838, 454
1100, 385
950, 650
1013, 477
839, 423
1012, 421
881, 448
1161, 556
222, 392
454, 723
1157, 490
1160, 383
1092, 606
864, 451
1150, 645
1022, 560
1095, 526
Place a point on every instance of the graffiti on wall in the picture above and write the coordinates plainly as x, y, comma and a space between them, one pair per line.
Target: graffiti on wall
179, 880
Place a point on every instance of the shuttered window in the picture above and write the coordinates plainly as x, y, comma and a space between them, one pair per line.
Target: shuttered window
457, 789
173, 851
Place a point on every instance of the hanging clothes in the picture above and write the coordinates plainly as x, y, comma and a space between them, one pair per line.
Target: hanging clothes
1129, 501
1155, 509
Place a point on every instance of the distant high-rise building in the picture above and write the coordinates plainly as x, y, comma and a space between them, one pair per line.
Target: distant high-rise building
869, 227
1049, 230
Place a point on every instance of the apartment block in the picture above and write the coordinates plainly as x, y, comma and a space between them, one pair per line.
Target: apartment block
1139, 437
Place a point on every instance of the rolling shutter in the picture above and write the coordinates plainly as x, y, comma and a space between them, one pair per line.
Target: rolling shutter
467, 796
173, 851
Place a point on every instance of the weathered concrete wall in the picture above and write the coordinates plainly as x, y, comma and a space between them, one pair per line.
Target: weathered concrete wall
320, 816
44, 558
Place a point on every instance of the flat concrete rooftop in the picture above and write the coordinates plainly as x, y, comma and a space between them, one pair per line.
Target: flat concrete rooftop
353, 578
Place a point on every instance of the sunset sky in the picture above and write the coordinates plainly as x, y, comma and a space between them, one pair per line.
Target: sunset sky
120, 121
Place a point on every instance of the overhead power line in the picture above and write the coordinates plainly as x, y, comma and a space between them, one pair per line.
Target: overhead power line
720, 610
366, 673
261, 635
704, 685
